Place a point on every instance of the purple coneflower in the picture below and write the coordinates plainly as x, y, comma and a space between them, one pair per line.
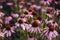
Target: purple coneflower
22, 18
49, 32
26, 25
7, 19
8, 30
18, 23
34, 28
14, 14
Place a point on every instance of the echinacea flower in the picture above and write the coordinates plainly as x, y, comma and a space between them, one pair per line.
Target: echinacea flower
18, 23
22, 18
14, 14
34, 28
8, 30
52, 22
26, 26
7, 19
28, 14
22, 24
50, 12
49, 32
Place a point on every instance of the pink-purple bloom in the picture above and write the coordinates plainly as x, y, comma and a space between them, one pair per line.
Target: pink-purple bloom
8, 30
8, 19
34, 28
49, 32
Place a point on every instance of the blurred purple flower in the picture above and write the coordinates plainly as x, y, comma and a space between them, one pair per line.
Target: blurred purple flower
49, 33
8, 31
34, 28
8, 19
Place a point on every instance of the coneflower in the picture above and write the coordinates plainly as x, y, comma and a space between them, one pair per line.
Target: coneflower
8, 30
14, 14
8, 18
49, 32
34, 28
20, 21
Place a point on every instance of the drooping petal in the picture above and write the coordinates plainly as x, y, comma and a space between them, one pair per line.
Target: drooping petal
9, 33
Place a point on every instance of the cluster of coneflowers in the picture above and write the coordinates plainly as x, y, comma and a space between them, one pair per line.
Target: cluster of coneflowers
29, 19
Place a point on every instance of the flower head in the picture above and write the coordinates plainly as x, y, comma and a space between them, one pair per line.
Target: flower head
51, 28
34, 23
49, 32
34, 28
8, 30
20, 21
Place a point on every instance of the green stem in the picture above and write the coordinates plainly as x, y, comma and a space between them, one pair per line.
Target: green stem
2, 38
9, 38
